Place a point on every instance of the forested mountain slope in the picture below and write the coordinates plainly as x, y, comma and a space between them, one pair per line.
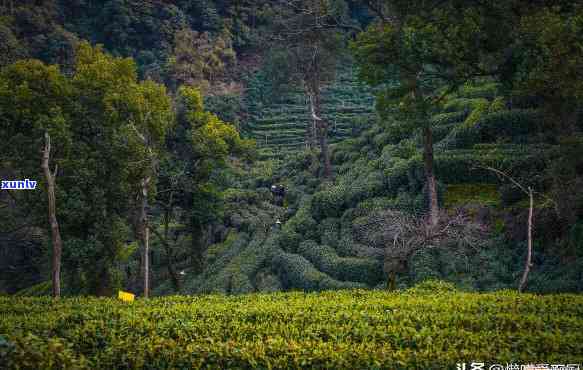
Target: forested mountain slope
339, 234
430, 126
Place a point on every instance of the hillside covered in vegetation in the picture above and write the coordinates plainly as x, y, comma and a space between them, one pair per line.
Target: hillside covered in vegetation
260, 146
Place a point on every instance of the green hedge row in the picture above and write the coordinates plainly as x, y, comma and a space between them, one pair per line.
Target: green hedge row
428, 327
297, 272
326, 259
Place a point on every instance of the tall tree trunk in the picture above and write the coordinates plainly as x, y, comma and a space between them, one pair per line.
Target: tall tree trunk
310, 125
169, 250
430, 176
324, 149
392, 281
528, 263
145, 234
321, 130
55, 232
198, 246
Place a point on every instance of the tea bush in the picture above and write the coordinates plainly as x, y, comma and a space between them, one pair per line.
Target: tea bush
326, 259
431, 326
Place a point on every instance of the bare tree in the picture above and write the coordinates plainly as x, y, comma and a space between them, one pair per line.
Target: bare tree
145, 234
307, 32
530, 193
143, 227
403, 235
55, 232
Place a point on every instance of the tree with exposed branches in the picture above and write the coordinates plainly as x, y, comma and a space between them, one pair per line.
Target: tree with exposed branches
307, 43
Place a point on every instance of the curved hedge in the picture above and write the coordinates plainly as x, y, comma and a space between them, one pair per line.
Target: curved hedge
325, 258
296, 272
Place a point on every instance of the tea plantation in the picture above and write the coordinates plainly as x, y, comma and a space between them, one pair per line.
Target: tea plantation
333, 235
431, 326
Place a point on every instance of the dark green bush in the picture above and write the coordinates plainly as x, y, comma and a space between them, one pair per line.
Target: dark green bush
352, 269
302, 222
328, 203
329, 230
296, 272
424, 265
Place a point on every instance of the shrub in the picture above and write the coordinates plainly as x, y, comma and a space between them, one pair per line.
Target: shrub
405, 175
296, 272
302, 222
424, 264
328, 203
515, 124
479, 90
289, 240
484, 194
462, 105
432, 286
333, 329
329, 230
353, 269
265, 281
442, 119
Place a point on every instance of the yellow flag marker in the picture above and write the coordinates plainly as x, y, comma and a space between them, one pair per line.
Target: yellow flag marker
126, 297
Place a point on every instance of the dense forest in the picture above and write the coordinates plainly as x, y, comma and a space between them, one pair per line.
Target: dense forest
185, 147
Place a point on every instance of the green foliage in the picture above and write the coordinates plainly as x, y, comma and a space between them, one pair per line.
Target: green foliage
199, 59
328, 203
464, 104
486, 90
10, 50
326, 259
308, 330
296, 272
424, 265
329, 230
484, 194
212, 138
279, 125
551, 58
40, 289
302, 222
433, 287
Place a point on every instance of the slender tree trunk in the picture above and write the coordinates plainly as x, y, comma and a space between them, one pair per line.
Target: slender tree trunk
198, 246
311, 124
169, 249
321, 130
55, 232
324, 149
528, 263
392, 281
145, 237
430, 176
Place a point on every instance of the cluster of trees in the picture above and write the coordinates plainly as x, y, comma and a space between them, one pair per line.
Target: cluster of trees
144, 30
116, 140
102, 140
420, 52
